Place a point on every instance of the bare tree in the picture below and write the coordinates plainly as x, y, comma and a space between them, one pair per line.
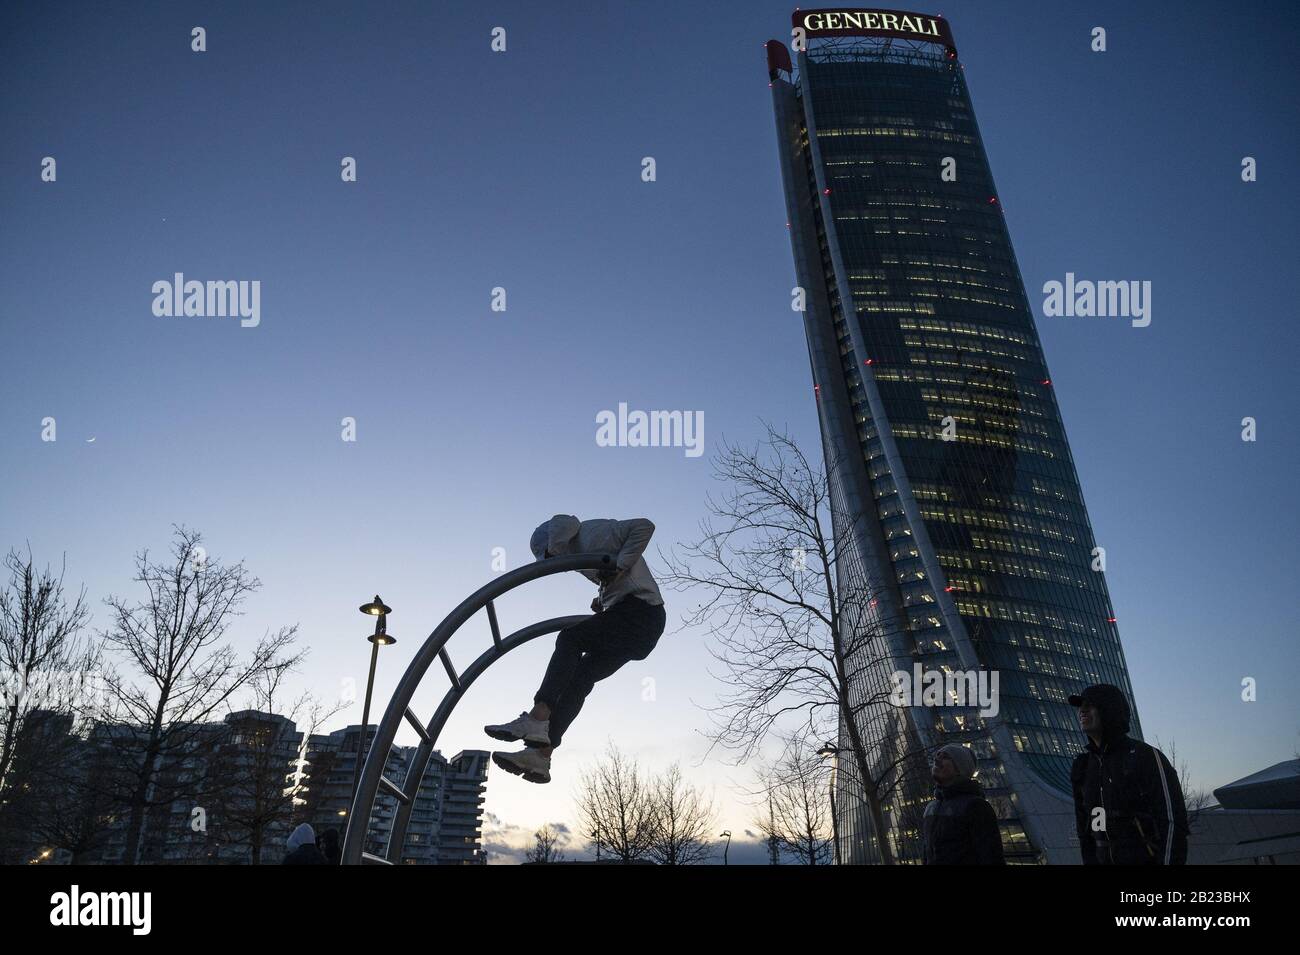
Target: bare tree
48, 670
684, 821
259, 779
44, 659
795, 814
70, 790
617, 807
793, 645
1195, 800
182, 669
546, 846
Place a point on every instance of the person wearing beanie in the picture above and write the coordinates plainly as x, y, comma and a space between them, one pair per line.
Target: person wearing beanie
629, 620
959, 826
1128, 804
302, 847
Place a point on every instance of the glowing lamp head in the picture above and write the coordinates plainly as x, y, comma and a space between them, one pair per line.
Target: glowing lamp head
380, 610
376, 608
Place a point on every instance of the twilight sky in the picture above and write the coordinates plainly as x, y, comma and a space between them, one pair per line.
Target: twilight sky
522, 170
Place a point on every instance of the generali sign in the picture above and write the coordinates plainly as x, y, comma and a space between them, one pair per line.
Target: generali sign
859, 22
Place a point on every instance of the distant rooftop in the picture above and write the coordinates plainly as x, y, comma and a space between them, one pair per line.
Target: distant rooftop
1277, 787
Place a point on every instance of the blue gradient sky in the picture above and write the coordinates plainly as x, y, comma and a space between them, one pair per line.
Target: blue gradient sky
522, 170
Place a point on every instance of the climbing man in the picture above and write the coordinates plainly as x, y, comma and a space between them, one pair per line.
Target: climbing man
628, 623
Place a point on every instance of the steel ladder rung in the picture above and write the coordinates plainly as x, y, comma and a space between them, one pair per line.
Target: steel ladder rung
393, 789
451, 670
419, 727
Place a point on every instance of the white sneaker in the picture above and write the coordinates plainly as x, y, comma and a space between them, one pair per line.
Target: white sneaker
524, 727
528, 762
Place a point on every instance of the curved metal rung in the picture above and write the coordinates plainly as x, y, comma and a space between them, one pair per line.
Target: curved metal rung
451, 670
369, 785
393, 789
369, 858
415, 773
416, 724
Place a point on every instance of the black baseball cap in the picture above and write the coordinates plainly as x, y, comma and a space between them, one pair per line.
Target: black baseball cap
1109, 700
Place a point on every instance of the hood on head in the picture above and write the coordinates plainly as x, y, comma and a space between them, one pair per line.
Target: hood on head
301, 836
556, 535
1111, 704
963, 758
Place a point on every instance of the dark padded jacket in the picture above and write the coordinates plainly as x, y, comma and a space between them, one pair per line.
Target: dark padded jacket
1144, 820
306, 854
961, 828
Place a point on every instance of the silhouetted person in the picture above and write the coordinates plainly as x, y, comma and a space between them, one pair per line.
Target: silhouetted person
1128, 806
959, 826
302, 847
629, 620
328, 844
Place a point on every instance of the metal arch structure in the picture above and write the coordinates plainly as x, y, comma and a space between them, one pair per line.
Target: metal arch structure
399, 707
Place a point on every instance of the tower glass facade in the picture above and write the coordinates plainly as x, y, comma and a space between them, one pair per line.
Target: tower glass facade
960, 514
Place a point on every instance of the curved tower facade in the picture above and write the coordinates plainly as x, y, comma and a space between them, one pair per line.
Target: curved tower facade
964, 544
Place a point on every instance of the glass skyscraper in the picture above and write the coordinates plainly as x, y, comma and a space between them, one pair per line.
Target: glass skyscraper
962, 538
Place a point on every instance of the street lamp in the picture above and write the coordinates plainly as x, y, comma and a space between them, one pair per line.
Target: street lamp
380, 638
727, 847
833, 752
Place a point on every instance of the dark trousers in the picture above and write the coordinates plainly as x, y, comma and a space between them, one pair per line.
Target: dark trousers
592, 650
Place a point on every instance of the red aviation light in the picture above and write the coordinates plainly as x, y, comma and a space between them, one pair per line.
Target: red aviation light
993, 200
1046, 381
1112, 620
949, 589
826, 192
869, 361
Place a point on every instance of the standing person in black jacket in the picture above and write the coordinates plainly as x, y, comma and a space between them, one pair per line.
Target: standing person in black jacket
959, 826
1128, 806
328, 844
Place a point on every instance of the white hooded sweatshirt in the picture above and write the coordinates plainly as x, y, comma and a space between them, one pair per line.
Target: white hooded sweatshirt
300, 837
626, 540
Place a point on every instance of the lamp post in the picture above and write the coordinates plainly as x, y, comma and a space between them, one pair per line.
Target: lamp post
727, 847
833, 752
380, 638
